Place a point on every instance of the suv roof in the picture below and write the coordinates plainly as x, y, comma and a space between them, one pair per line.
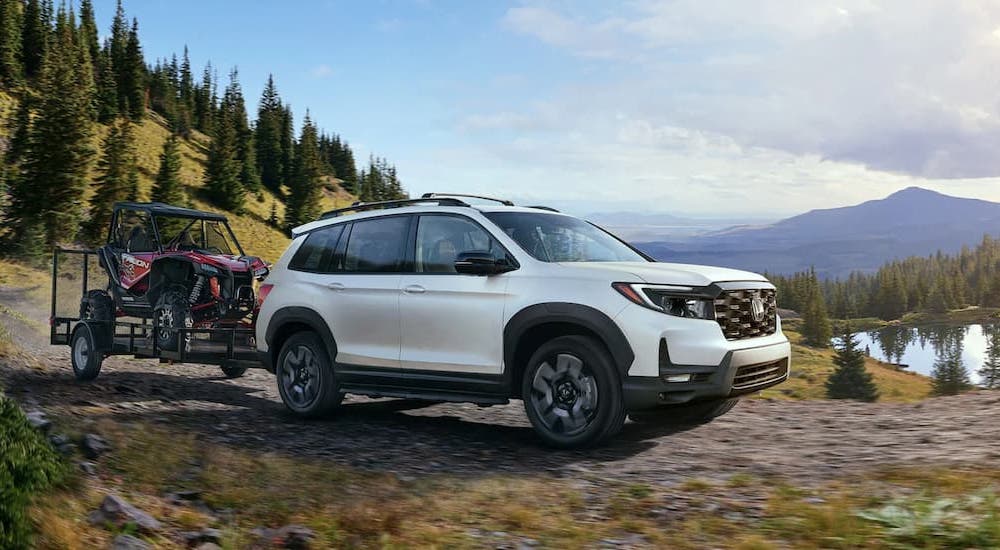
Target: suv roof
161, 209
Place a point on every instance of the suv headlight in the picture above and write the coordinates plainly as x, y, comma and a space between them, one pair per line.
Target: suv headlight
679, 301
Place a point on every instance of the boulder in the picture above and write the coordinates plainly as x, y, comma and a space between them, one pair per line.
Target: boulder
118, 512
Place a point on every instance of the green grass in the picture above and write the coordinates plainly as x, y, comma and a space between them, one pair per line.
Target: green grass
882, 508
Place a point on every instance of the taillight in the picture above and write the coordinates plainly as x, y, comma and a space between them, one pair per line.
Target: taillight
265, 289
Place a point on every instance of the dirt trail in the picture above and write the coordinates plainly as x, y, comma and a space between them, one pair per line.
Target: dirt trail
806, 441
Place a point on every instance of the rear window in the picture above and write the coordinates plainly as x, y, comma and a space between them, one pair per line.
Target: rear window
316, 254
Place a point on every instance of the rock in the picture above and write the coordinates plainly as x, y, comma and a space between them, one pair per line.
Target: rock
88, 468
208, 546
295, 537
118, 512
39, 421
205, 536
94, 446
128, 542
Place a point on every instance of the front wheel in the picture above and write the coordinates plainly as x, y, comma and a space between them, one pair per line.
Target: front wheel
305, 376
172, 312
572, 393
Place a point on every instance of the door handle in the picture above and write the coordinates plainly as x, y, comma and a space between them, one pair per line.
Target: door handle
336, 286
414, 289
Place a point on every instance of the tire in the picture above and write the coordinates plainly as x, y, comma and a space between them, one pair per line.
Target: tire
84, 356
305, 376
97, 305
572, 393
233, 372
686, 415
172, 311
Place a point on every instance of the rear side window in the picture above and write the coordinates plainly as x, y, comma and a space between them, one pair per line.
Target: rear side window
377, 245
316, 254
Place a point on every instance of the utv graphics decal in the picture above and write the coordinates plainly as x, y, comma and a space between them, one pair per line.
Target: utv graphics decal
133, 269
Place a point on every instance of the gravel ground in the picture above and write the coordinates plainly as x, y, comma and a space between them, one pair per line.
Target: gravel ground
806, 441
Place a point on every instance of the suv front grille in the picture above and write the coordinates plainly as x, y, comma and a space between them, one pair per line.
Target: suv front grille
751, 377
734, 313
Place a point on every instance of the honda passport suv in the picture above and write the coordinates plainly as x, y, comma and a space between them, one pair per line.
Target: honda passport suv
439, 299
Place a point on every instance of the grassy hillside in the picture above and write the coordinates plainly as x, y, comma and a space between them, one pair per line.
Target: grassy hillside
811, 367
251, 228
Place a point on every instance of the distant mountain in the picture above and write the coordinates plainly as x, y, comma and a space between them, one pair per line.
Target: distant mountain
641, 226
836, 241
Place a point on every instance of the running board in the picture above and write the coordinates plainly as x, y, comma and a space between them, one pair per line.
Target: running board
427, 395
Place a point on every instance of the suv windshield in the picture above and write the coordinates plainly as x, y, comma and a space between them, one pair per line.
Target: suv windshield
210, 236
556, 238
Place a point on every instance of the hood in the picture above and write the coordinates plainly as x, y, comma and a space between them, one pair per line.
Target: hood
668, 274
237, 264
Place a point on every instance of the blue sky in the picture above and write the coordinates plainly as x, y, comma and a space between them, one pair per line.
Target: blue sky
707, 108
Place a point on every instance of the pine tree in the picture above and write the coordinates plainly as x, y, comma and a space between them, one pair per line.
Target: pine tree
270, 125
306, 187
989, 374
204, 102
288, 145
107, 87
88, 30
34, 38
56, 159
133, 78
850, 379
223, 168
113, 184
815, 322
168, 187
949, 375
11, 24
273, 219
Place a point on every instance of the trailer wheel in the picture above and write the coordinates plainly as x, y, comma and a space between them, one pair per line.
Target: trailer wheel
85, 356
233, 372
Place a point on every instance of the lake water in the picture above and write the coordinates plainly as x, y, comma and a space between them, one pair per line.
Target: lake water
919, 347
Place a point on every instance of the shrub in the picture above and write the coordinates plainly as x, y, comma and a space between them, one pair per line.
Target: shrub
28, 464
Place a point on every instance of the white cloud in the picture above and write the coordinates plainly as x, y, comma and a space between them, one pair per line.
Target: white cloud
321, 71
900, 86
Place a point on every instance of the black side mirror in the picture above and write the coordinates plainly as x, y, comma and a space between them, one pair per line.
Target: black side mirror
481, 263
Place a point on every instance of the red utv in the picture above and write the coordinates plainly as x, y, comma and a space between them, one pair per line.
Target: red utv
180, 267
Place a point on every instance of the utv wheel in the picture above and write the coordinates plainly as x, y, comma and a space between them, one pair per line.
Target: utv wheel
233, 372
172, 312
686, 415
97, 306
84, 355
572, 393
305, 376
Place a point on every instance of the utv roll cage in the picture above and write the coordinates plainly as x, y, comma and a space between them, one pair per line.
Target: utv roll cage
159, 209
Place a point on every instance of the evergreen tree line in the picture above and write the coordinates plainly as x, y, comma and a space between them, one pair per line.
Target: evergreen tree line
67, 83
935, 284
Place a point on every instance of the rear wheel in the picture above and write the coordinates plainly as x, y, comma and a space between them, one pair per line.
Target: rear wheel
172, 312
97, 305
572, 394
686, 415
84, 355
305, 376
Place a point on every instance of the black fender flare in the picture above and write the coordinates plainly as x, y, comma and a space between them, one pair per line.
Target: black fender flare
587, 317
296, 315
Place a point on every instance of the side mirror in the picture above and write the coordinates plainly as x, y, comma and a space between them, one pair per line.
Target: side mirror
481, 263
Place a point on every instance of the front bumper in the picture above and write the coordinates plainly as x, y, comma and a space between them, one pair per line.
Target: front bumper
740, 372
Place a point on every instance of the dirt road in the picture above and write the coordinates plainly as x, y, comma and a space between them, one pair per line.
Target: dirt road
806, 441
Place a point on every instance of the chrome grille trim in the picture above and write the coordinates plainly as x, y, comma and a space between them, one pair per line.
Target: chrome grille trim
749, 377
735, 317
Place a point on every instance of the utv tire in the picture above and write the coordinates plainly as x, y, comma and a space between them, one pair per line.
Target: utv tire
84, 355
572, 393
305, 376
172, 312
233, 372
97, 305
686, 415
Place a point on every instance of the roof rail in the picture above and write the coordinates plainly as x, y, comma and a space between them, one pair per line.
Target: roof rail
382, 205
546, 208
504, 202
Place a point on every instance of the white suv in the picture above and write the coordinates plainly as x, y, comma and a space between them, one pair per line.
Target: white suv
439, 299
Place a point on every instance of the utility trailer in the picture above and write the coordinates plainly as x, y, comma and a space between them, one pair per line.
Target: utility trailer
92, 340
